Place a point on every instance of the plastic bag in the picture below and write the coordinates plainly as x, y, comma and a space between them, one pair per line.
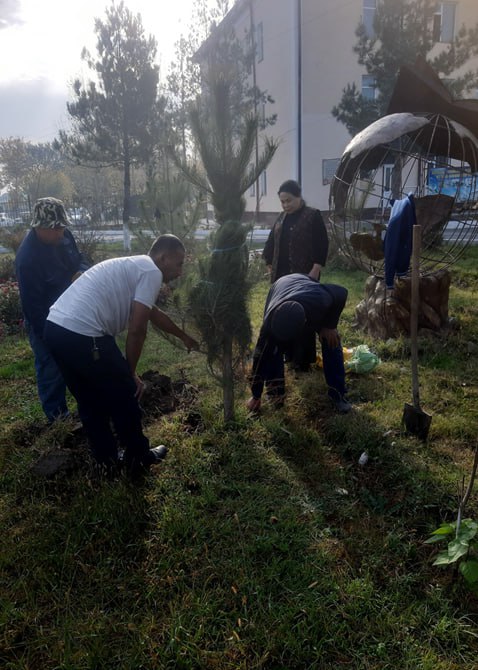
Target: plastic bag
347, 355
362, 360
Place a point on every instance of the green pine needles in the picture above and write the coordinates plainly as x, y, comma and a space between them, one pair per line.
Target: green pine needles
219, 300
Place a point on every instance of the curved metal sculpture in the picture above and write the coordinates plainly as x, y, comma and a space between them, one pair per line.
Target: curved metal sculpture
429, 155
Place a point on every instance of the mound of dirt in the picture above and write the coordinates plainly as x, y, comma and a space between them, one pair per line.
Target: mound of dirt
161, 396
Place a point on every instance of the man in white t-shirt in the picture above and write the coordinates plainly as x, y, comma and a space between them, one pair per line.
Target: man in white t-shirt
115, 295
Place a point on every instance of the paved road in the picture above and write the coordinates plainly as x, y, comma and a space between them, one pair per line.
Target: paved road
257, 235
452, 233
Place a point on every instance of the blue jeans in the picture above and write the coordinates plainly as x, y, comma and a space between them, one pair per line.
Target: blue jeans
50, 382
101, 381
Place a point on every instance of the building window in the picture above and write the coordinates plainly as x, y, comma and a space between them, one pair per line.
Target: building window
263, 182
369, 87
260, 42
444, 22
369, 9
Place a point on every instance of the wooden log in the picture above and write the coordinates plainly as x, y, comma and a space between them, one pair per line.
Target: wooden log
386, 314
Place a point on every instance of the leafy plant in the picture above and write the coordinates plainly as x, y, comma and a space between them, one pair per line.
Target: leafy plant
462, 545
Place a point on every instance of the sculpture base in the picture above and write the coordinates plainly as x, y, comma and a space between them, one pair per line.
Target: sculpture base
386, 314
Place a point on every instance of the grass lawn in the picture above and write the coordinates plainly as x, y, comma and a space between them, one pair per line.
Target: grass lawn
263, 545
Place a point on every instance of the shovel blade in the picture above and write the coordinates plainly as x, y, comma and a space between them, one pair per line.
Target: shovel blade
417, 422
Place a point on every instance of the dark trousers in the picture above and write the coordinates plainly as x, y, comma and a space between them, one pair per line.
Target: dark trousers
104, 388
268, 369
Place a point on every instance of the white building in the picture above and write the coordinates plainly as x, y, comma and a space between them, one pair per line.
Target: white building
304, 59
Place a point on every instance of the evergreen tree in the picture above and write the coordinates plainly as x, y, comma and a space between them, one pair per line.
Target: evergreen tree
219, 301
402, 31
117, 116
170, 204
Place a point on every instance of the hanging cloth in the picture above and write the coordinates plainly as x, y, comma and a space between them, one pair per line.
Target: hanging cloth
397, 243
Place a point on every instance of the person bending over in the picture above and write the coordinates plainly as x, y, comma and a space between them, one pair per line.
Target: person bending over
115, 295
296, 305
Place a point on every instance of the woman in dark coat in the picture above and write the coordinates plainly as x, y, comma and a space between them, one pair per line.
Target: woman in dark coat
298, 242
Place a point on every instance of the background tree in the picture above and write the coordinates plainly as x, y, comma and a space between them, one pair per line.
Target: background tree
95, 189
189, 72
32, 171
219, 301
117, 116
402, 31
170, 204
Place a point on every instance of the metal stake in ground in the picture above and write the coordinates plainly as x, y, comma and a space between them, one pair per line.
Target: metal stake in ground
415, 419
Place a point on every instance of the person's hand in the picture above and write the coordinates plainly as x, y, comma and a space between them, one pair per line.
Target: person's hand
190, 343
331, 336
140, 386
315, 272
253, 404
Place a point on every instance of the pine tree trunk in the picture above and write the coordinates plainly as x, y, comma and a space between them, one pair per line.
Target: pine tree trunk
228, 380
126, 200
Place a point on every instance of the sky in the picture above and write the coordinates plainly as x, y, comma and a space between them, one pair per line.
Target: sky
40, 55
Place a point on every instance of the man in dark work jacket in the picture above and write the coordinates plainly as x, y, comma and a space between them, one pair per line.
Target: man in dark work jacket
296, 304
47, 261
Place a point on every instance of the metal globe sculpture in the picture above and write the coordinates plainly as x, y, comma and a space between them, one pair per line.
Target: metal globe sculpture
428, 155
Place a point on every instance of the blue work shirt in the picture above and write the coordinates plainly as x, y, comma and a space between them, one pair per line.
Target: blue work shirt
43, 272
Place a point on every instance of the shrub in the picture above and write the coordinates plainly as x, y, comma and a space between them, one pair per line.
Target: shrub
11, 315
7, 268
11, 238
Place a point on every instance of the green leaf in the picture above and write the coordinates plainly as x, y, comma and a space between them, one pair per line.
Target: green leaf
435, 538
457, 549
469, 570
468, 530
442, 559
445, 529
440, 533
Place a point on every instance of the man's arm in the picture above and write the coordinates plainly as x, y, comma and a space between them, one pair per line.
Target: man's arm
137, 329
315, 272
331, 336
162, 321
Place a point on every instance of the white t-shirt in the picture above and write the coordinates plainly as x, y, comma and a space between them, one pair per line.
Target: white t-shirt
99, 302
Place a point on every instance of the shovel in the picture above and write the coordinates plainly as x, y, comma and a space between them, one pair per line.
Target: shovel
415, 419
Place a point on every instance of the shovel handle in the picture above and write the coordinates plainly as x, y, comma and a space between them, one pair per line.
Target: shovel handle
414, 301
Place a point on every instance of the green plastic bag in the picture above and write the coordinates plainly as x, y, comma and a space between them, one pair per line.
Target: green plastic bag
362, 360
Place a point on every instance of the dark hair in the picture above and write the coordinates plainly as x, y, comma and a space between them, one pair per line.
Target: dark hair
167, 243
290, 186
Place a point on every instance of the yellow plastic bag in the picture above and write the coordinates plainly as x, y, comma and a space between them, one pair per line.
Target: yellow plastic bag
347, 355
359, 359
